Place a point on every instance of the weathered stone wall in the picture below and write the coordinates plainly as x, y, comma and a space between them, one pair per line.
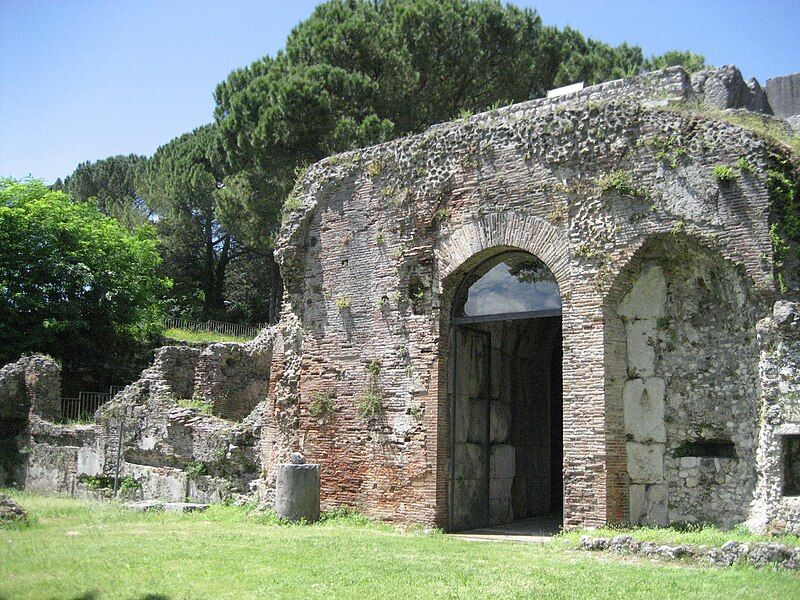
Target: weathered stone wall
784, 95
775, 508
173, 371
30, 386
179, 431
29, 390
692, 387
174, 452
235, 377
724, 87
59, 455
382, 237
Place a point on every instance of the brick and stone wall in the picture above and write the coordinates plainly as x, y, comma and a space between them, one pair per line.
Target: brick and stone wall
382, 236
777, 505
690, 392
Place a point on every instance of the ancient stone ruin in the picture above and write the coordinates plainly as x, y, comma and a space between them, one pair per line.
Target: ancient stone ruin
581, 308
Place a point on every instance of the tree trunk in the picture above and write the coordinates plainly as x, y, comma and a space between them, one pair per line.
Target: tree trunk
218, 290
208, 267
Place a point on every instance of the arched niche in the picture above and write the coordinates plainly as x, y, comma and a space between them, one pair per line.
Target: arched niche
682, 385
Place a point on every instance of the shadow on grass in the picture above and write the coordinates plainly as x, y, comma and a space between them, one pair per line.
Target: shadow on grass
94, 595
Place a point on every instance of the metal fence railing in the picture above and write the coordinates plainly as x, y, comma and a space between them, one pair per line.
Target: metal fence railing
86, 404
232, 329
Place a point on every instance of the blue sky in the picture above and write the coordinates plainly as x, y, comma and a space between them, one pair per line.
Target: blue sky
82, 80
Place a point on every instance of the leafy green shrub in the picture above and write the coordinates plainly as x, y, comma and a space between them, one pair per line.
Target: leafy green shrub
783, 182
101, 482
128, 484
195, 469
196, 403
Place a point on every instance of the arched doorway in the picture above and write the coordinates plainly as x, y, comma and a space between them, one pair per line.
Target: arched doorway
506, 394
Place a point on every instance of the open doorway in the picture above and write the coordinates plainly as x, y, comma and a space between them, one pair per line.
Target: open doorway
506, 400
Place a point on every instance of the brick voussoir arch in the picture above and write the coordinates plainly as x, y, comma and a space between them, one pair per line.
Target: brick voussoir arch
509, 229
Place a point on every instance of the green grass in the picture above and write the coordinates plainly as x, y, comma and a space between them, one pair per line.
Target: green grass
699, 535
79, 549
183, 335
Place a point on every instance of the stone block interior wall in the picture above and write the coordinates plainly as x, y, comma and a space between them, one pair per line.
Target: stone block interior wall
472, 388
521, 382
690, 399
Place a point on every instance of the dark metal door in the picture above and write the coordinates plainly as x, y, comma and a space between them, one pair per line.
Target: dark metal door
470, 409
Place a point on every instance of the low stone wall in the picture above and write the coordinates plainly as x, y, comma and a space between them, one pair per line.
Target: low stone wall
30, 386
58, 456
756, 554
234, 378
184, 429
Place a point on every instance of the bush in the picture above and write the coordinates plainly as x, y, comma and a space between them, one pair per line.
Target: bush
73, 283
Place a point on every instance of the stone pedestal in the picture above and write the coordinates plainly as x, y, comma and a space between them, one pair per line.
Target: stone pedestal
297, 492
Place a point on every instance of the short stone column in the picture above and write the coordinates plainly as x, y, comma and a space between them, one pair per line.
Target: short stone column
297, 490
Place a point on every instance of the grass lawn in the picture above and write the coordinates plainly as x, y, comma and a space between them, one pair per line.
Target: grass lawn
183, 335
77, 549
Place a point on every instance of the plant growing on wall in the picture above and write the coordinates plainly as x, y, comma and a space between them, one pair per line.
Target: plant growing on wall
622, 183
783, 181
196, 469
370, 402
724, 174
668, 149
342, 302
321, 405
